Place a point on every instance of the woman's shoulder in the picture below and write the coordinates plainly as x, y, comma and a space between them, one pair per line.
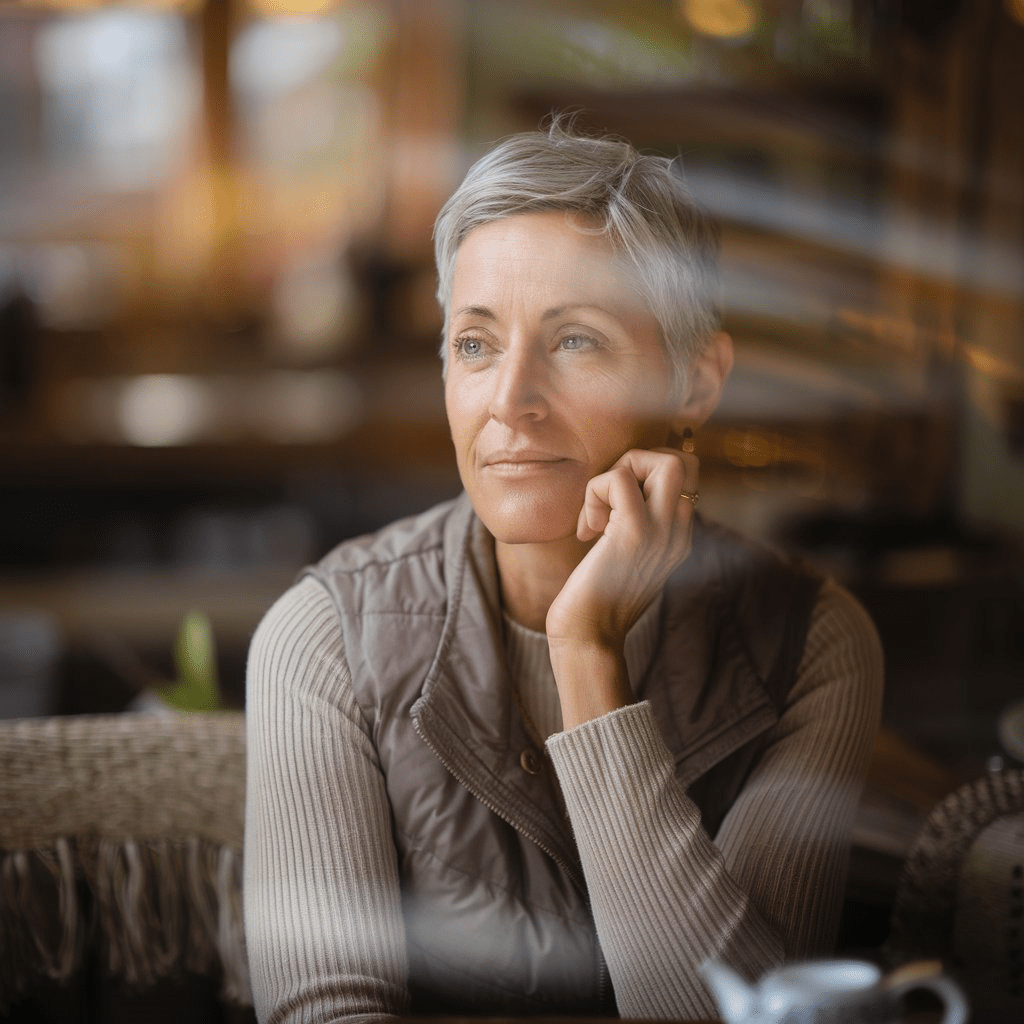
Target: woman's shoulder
316, 629
842, 669
301, 620
840, 623
298, 679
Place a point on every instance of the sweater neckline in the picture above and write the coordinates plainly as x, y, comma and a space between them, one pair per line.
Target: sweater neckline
529, 663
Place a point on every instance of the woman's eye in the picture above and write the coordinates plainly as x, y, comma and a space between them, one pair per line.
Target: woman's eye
469, 348
576, 342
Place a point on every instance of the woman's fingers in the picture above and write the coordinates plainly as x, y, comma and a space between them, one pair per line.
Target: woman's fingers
642, 530
678, 472
617, 490
644, 487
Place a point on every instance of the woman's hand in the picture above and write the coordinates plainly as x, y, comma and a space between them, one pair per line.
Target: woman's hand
642, 527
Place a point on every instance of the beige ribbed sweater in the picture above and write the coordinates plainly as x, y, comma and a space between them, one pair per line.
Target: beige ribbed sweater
323, 920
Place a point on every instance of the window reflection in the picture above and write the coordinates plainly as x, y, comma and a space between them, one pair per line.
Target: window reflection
309, 128
299, 88
120, 94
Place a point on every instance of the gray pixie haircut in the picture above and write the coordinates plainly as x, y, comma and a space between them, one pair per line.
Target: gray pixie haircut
639, 201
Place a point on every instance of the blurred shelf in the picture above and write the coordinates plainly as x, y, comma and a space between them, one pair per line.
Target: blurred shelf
393, 419
145, 607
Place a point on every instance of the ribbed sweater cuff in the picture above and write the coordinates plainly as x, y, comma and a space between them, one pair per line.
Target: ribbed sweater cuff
603, 765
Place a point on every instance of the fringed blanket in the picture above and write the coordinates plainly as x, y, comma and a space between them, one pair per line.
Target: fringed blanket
122, 834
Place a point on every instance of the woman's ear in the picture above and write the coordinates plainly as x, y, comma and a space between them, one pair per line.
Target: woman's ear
707, 377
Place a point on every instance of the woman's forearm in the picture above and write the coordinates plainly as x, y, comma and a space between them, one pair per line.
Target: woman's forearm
662, 898
665, 896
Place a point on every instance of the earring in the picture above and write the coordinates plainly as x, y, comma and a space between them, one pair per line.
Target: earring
688, 445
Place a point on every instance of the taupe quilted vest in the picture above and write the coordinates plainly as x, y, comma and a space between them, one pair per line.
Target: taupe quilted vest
495, 905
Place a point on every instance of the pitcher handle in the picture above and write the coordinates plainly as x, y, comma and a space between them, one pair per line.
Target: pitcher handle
928, 974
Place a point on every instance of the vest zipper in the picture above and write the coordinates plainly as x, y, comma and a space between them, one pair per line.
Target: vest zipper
575, 873
571, 870
603, 979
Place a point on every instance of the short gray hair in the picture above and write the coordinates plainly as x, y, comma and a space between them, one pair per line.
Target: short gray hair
640, 201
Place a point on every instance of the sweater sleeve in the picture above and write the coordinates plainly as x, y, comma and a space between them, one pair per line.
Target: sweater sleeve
322, 915
666, 896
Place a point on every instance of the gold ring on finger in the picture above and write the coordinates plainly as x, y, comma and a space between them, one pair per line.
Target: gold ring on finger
691, 496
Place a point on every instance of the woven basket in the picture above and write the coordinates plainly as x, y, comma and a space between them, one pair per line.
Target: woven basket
960, 896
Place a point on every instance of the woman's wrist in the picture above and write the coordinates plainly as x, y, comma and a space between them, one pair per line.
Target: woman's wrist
592, 680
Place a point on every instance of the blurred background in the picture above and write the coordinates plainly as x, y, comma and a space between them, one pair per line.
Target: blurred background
218, 332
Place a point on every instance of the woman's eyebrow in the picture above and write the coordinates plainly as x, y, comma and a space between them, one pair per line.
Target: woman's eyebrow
481, 311
556, 311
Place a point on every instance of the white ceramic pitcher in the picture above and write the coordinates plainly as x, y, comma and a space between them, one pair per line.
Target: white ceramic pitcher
830, 992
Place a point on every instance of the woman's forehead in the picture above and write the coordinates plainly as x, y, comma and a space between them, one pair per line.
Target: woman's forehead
551, 253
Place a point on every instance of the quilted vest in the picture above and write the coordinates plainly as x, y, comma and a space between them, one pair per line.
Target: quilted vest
494, 900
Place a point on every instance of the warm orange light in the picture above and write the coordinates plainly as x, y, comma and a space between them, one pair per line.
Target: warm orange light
721, 19
1015, 9
991, 365
749, 448
276, 8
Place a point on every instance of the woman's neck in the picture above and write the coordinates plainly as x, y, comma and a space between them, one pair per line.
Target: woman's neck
532, 575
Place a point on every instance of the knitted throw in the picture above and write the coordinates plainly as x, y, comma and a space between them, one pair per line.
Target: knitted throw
122, 833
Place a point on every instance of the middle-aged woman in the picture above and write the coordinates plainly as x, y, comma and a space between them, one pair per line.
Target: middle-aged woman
546, 748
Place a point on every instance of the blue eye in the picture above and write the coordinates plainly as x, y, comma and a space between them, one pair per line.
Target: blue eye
469, 348
576, 342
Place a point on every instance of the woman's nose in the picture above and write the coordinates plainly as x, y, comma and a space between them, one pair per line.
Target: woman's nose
519, 389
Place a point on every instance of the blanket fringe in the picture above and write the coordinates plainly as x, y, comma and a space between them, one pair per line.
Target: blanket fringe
153, 907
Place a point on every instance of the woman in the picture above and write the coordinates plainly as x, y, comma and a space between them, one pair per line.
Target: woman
546, 748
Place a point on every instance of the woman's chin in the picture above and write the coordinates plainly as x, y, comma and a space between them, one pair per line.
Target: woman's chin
522, 518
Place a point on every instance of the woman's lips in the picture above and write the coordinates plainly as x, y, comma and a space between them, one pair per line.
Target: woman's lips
522, 461
520, 455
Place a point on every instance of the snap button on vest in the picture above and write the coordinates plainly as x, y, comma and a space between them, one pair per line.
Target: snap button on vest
528, 762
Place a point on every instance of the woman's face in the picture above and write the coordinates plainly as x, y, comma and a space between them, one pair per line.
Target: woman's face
555, 369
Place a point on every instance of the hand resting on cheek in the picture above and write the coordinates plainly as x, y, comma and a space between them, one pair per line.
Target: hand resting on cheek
641, 528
